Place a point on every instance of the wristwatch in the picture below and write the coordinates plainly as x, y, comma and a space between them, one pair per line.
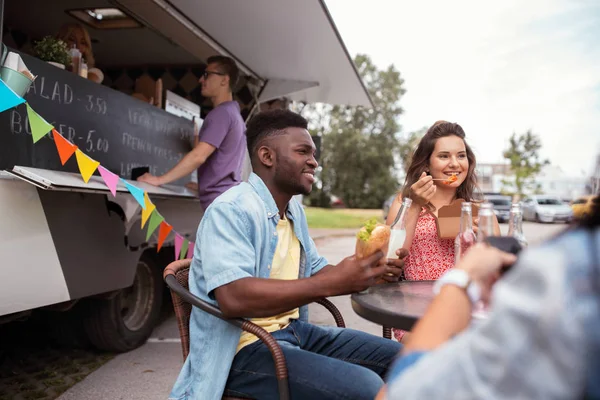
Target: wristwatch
460, 278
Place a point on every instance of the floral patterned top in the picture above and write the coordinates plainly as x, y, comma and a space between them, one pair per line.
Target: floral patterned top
429, 256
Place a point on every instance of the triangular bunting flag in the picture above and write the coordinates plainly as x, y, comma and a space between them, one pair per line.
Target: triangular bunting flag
178, 244
184, 248
39, 126
87, 166
63, 146
8, 98
136, 192
111, 180
147, 211
163, 232
190, 253
155, 220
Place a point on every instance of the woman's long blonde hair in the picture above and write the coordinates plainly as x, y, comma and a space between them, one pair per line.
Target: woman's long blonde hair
65, 32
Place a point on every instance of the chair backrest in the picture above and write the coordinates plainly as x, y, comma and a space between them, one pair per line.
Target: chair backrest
183, 310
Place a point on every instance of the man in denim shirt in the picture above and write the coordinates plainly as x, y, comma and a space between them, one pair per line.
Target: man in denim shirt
254, 258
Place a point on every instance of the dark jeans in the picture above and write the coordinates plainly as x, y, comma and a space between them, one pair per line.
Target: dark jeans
323, 363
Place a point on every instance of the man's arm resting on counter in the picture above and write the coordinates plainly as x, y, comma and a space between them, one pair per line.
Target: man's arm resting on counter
189, 163
259, 297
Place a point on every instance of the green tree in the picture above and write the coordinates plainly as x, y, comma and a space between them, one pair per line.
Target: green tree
525, 163
359, 144
408, 145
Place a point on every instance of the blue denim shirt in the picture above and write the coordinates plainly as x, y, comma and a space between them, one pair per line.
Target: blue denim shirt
236, 239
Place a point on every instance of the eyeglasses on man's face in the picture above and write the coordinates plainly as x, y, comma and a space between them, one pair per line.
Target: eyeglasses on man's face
206, 74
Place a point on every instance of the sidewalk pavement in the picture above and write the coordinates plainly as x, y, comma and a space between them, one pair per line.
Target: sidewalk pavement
149, 372
319, 234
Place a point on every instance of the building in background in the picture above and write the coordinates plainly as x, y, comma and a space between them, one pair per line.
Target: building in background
552, 180
490, 176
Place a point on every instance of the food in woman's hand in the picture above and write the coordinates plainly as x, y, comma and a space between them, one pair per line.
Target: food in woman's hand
451, 179
371, 237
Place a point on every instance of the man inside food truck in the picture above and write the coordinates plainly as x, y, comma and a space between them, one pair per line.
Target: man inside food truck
220, 150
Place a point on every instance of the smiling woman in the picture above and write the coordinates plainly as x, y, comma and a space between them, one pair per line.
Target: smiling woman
442, 170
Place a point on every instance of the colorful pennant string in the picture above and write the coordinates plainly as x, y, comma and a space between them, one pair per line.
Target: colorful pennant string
87, 166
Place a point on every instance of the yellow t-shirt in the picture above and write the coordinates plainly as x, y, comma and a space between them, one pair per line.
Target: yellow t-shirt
285, 265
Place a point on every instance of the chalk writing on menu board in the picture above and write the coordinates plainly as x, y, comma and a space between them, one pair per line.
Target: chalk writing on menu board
114, 128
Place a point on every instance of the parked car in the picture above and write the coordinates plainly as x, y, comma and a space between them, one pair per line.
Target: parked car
542, 208
501, 204
582, 206
337, 202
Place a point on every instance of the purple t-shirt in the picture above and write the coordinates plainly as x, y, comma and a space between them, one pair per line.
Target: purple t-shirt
223, 128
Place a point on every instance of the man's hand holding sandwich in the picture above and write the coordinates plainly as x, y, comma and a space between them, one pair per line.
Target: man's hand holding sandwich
368, 266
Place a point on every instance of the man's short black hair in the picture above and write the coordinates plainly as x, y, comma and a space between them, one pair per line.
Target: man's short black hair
226, 66
271, 123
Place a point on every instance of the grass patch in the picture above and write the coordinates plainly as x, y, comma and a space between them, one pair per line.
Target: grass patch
54, 382
45, 375
70, 370
326, 218
27, 386
38, 394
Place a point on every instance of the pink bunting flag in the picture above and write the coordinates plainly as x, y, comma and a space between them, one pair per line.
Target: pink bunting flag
111, 180
190, 252
178, 244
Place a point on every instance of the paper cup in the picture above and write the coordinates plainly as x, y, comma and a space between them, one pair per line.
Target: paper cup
12, 61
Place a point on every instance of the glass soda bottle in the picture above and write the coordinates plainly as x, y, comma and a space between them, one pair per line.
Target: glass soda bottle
486, 222
466, 235
515, 224
398, 229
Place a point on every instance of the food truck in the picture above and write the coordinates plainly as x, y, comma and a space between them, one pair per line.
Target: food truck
70, 249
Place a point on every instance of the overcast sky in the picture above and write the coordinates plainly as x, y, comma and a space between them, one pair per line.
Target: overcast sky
494, 67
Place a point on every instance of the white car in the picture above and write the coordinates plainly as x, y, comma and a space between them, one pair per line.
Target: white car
542, 208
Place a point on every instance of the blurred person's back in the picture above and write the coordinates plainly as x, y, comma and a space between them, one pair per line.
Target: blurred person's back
542, 339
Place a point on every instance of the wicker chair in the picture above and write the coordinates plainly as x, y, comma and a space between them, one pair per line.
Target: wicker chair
176, 277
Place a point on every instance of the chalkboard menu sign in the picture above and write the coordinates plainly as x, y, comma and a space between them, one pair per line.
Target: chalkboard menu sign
119, 131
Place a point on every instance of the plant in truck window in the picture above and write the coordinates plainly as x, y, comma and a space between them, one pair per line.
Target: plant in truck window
52, 50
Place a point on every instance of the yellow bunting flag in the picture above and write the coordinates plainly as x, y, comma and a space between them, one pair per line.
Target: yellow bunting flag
87, 166
147, 209
39, 126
